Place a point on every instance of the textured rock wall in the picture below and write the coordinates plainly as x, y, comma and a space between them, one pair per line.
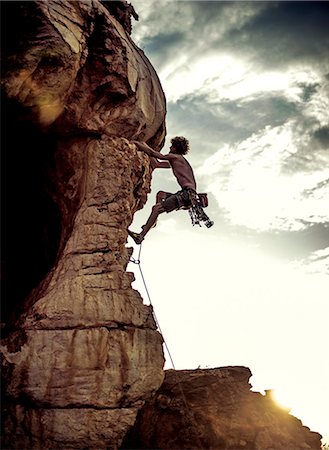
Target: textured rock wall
83, 354
74, 61
215, 409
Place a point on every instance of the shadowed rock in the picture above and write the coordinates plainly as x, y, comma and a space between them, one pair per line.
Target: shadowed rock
215, 409
80, 351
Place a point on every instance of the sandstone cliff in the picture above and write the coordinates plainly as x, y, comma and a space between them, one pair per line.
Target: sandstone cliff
83, 353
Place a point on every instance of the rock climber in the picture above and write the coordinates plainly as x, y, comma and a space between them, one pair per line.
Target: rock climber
166, 201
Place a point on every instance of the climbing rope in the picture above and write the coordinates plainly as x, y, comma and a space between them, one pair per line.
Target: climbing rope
138, 262
188, 409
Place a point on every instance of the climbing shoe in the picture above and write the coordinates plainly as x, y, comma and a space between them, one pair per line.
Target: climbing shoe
136, 237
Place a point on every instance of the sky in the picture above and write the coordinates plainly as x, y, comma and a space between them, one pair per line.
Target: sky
247, 83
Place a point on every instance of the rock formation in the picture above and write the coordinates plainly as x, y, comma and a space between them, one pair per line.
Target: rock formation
80, 351
215, 409
83, 354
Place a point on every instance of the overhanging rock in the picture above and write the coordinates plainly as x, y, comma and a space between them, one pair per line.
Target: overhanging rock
82, 353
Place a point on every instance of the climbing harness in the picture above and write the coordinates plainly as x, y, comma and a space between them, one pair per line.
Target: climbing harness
197, 214
186, 199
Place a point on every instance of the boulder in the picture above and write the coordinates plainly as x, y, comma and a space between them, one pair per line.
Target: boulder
215, 409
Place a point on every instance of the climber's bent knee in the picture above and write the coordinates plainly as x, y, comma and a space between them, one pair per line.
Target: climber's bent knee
161, 195
158, 209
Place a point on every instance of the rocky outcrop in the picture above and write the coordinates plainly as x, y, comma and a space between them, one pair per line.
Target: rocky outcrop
215, 409
83, 354
74, 61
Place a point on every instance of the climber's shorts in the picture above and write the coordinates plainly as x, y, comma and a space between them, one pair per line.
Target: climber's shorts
180, 200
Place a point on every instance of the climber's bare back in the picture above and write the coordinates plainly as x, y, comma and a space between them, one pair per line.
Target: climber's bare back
182, 171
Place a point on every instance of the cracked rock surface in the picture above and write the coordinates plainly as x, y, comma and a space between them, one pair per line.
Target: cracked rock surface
80, 351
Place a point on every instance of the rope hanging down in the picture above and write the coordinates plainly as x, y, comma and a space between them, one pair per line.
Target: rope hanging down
188, 410
138, 262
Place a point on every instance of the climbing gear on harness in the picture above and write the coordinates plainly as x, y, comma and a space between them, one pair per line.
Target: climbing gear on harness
136, 237
197, 215
203, 199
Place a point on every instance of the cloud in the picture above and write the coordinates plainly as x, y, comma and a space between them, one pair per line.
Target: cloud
286, 33
321, 135
248, 84
248, 181
197, 25
318, 261
223, 52
212, 122
306, 248
271, 34
232, 119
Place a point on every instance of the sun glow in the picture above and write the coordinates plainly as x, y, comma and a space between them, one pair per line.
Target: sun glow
233, 292
282, 398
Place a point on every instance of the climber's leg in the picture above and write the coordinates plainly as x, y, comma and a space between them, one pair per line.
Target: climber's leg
166, 202
156, 210
151, 221
161, 195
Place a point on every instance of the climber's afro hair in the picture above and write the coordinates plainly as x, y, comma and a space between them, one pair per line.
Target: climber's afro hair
181, 145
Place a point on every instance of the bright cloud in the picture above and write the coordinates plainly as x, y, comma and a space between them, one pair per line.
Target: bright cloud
225, 77
318, 106
248, 182
317, 262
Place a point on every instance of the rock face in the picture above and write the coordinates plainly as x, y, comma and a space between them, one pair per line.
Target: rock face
81, 353
215, 409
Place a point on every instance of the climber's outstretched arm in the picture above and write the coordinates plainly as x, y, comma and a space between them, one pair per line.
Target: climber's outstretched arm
153, 154
148, 150
155, 164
